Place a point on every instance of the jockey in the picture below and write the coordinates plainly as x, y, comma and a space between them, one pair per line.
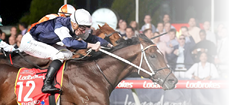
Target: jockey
42, 38
64, 11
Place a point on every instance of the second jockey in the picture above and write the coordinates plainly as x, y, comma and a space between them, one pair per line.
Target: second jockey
41, 41
64, 11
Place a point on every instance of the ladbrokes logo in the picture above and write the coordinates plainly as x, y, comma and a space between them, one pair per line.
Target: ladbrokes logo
199, 84
29, 77
150, 85
124, 84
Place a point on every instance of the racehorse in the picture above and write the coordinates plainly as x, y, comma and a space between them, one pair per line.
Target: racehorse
107, 32
91, 82
104, 31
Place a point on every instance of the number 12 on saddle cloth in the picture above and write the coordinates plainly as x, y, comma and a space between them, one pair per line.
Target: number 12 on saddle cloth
29, 83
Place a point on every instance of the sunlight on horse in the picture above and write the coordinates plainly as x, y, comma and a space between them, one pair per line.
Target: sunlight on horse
83, 82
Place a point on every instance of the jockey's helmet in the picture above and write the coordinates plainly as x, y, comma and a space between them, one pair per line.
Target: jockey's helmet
66, 10
81, 17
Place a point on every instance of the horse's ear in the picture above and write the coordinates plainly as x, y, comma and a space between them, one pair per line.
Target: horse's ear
105, 24
99, 26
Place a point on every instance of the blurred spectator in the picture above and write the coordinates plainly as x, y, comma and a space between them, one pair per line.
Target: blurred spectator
188, 37
209, 35
23, 28
202, 70
181, 58
134, 25
3, 37
13, 32
148, 33
205, 46
12, 40
18, 41
160, 28
167, 27
161, 45
194, 30
130, 32
172, 39
122, 28
165, 38
4, 45
166, 19
222, 58
147, 20
218, 33
119, 22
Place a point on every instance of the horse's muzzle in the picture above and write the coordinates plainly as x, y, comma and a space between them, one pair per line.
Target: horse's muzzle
170, 83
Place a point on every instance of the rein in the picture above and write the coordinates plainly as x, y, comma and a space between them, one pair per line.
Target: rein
112, 86
158, 35
17, 51
29, 61
110, 34
4, 53
88, 52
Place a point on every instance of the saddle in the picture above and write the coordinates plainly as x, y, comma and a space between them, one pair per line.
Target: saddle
29, 83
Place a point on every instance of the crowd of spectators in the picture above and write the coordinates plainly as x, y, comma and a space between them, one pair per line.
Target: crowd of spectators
192, 52
15, 36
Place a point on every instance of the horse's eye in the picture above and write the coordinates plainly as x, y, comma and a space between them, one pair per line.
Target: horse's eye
152, 56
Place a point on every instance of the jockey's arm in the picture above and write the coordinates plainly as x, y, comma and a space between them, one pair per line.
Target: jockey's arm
6, 47
66, 38
93, 39
88, 37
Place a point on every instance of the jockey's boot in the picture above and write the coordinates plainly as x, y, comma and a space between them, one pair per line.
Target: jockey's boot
49, 78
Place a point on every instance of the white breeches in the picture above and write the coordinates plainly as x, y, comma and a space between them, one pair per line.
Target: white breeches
43, 50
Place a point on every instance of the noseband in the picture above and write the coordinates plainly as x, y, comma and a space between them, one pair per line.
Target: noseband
143, 55
153, 72
110, 34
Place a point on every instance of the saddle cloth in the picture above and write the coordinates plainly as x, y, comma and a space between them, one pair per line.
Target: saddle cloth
29, 83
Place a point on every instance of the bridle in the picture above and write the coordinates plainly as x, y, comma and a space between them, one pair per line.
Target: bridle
153, 72
143, 56
108, 35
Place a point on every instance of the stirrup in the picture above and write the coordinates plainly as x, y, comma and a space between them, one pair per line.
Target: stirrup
50, 89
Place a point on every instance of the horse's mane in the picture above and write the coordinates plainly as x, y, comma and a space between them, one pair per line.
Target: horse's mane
134, 40
121, 44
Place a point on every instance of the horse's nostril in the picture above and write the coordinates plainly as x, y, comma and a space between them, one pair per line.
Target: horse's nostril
172, 80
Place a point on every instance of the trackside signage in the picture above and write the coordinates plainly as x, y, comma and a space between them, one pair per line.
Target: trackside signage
182, 84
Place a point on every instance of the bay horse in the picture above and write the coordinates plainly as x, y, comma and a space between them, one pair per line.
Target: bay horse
91, 82
104, 31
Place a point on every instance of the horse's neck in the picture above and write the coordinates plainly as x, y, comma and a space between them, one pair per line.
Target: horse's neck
25, 61
114, 69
